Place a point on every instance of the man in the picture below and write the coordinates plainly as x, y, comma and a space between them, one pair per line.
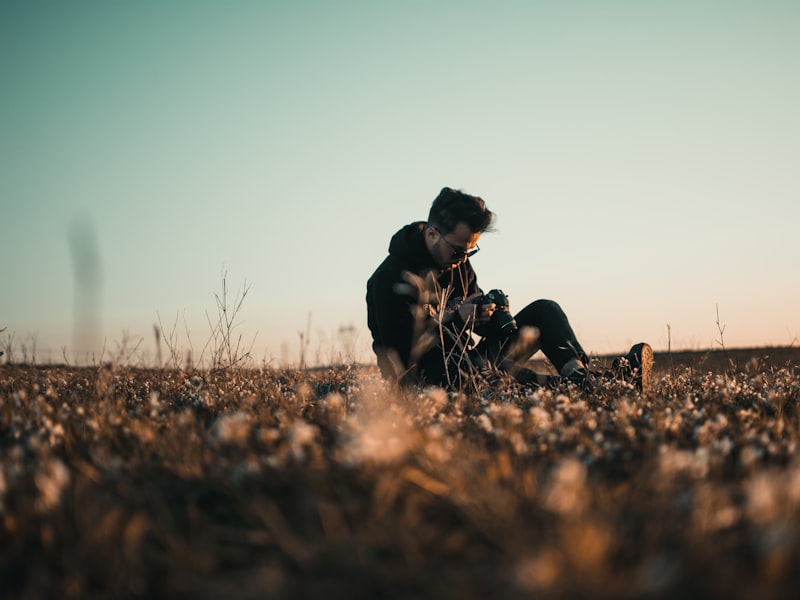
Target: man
425, 309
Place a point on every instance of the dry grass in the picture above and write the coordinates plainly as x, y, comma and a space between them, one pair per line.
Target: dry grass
121, 482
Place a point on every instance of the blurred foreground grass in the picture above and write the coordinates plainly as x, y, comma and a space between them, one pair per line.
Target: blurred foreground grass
120, 482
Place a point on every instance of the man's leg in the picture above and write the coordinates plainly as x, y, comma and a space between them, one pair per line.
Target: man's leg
555, 339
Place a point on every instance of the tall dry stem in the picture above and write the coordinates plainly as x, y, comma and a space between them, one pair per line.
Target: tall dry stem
732, 366
226, 347
171, 341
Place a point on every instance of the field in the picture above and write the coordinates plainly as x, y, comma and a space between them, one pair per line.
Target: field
327, 483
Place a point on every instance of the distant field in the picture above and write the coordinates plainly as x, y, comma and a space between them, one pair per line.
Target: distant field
714, 359
774, 357
122, 482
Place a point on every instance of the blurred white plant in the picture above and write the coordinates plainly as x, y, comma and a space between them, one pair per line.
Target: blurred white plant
379, 439
56, 434
750, 456
334, 402
153, 400
301, 436
438, 445
335, 406
764, 495
540, 417
485, 423
438, 396
566, 493
233, 428
672, 462
507, 413
51, 478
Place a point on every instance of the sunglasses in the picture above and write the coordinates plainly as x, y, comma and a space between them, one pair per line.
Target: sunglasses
459, 253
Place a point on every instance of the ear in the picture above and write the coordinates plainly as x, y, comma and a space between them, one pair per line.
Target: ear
430, 237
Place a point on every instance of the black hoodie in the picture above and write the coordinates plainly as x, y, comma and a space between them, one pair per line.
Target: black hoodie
403, 296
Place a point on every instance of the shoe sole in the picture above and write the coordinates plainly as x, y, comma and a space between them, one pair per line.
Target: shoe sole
646, 360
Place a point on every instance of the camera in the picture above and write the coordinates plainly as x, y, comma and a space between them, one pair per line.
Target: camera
501, 318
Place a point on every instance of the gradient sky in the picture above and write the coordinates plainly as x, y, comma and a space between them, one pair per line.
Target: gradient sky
643, 159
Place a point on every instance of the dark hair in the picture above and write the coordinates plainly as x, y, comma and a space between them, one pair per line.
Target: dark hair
452, 207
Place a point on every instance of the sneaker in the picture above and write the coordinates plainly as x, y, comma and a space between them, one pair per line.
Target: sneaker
636, 367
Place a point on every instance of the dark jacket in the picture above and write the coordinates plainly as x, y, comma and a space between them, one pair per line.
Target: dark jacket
403, 301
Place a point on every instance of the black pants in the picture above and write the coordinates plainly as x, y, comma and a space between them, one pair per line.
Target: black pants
555, 339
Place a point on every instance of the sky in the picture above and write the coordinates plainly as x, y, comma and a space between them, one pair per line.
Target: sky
642, 159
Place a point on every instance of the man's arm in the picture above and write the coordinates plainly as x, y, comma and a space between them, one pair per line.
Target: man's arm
394, 317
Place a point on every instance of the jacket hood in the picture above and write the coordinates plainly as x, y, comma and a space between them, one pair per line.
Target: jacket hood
408, 246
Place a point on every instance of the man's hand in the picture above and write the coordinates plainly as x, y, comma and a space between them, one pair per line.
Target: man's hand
480, 313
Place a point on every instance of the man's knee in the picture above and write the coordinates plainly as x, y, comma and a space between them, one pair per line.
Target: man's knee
547, 306
538, 311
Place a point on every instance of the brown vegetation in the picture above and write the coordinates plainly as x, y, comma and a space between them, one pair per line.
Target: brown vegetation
263, 483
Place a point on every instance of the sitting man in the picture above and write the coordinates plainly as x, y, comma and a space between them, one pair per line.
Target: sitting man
425, 309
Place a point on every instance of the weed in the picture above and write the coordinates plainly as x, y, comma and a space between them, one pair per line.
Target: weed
226, 349
225, 346
721, 328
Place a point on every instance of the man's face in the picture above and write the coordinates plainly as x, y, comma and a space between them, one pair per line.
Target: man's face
451, 249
